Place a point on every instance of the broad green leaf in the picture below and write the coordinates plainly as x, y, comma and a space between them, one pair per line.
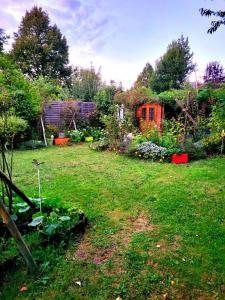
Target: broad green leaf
64, 218
23, 209
50, 229
37, 221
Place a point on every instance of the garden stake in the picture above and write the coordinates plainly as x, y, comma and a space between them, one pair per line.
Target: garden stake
37, 164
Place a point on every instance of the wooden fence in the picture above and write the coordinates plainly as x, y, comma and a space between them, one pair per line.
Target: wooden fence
61, 113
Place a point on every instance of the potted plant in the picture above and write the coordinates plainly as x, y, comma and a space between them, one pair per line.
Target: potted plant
179, 157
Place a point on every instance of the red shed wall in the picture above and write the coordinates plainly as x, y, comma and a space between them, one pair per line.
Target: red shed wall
146, 121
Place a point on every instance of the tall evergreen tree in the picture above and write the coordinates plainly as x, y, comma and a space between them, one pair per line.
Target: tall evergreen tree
39, 48
144, 78
173, 67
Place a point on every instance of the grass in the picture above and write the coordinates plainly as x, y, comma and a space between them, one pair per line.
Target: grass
157, 230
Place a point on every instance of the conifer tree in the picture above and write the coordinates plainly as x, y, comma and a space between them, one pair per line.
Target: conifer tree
39, 48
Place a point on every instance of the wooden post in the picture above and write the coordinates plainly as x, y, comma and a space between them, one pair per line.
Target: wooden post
16, 189
43, 130
17, 236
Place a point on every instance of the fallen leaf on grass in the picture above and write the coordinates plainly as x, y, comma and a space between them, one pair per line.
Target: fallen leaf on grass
78, 283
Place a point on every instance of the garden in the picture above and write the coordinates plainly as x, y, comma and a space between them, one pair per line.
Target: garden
107, 193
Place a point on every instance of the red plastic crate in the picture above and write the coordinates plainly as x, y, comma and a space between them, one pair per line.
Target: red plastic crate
179, 158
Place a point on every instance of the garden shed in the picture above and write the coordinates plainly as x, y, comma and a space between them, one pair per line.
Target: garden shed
150, 114
62, 113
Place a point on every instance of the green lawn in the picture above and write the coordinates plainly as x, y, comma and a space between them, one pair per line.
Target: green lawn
157, 230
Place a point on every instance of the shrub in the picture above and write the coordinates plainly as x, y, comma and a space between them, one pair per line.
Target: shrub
52, 130
96, 133
195, 150
115, 129
30, 145
11, 126
150, 150
75, 135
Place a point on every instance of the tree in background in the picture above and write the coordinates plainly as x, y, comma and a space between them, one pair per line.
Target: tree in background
85, 83
173, 67
105, 96
214, 73
214, 24
39, 48
3, 39
144, 78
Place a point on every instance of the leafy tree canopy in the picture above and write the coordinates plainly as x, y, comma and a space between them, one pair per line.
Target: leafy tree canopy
105, 96
14, 86
173, 67
144, 78
39, 48
85, 83
216, 23
134, 97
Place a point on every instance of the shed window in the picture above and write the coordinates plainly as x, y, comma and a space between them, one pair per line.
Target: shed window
143, 113
151, 114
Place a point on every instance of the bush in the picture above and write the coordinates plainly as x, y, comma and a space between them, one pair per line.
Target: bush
75, 135
195, 150
150, 150
51, 130
96, 133
30, 145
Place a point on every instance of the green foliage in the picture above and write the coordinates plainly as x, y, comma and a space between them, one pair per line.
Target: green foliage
14, 86
134, 97
173, 67
116, 129
104, 98
214, 142
144, 78
11, 127
85, 83
46, 90
39, 48
75, 135
31, 145
96, 133
82, 134
195, 151
51, 130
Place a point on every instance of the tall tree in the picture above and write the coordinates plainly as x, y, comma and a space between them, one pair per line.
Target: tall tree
173, 67
85, 83
144, 78
39, 48
216, 23
214, 73
3, 39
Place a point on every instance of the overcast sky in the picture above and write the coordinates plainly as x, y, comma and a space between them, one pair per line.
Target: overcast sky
120, 36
